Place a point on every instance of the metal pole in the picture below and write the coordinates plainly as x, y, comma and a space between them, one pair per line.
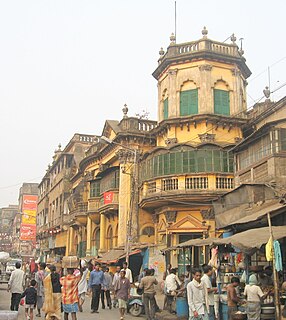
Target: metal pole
276, 289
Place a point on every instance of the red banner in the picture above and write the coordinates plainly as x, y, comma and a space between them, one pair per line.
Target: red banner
28, 232
29, 202
108, 197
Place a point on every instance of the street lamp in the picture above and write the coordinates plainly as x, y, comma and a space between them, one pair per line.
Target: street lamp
133, 210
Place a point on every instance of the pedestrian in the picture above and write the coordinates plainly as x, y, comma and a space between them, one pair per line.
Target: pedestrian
122, 292
232, 298
53, 295
197, 294
142, 274
254, 296
172, 284
96, 281
70, 293
82, 285
16, 286
115, 278
105, 290
157, 309
30, 295
147, 284
165, 274
206, 279
128, 272
39, 277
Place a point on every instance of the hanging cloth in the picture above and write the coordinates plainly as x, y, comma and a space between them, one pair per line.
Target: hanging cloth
269, 250
278, 256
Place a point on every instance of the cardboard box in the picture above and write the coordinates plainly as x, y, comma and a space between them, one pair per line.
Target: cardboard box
70, 262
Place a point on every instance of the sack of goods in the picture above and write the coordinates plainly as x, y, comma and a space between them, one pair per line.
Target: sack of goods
70, 262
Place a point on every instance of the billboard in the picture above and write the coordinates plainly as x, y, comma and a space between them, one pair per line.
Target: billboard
29, 212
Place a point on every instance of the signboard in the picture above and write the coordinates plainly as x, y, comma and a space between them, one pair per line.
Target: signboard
108, 197
28, 223
28, 232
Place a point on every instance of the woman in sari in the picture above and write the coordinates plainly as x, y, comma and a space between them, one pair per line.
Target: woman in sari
53, 295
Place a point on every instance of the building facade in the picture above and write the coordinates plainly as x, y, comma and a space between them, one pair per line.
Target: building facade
7, 216
54, 193
151, 184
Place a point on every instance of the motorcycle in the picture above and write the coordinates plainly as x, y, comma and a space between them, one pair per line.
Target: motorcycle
135, 304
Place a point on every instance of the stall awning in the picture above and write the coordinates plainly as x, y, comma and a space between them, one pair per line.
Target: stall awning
251, 240
247, 241
114, 255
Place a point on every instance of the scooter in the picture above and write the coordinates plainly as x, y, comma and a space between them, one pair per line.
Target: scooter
135, 304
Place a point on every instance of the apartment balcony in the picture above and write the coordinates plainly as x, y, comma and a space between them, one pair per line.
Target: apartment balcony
92, 209
188, 189
78, 216
109, 202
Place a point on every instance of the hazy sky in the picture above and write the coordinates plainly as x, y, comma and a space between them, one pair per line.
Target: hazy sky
67, 66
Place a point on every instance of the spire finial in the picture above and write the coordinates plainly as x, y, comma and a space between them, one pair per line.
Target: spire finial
233, 38
172, 39
125, 111
205, 32
161, 52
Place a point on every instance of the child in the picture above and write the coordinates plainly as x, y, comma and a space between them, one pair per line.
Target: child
30, 300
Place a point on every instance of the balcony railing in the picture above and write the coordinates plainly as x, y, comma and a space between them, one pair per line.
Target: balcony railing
109, 198
93, 204
187, 184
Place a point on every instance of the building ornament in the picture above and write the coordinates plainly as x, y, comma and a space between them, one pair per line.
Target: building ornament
237, 139
155, 218
205, 33
205, 67
125, 111
207, 214
172, 72
171, 141
207, 137
125, 156
171, 216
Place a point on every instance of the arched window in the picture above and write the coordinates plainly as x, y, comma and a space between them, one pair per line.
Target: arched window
109, 238
148, 231
221, 98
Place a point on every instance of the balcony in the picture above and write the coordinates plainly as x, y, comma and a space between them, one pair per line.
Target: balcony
109, 202
92, 209
79, 214
195, 188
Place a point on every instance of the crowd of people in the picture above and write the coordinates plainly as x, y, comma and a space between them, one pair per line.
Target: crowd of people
53, 291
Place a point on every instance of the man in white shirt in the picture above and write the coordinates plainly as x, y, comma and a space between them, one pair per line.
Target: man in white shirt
16, 286
206, 279
197, 297
128, 273
172, 283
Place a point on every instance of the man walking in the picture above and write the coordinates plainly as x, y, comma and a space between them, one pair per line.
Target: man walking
96, 281
128, 272
197, 297
16, 286
105, 291
122, 292
39, 277
206, 279
115, 278
147, 284
232, 298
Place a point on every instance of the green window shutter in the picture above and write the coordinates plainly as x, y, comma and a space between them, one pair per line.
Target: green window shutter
166, 108
221, 102
189, 102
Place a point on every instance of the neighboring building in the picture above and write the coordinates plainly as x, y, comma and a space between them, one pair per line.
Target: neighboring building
180, 164
54, 192
7, 216
260, 172
24, 224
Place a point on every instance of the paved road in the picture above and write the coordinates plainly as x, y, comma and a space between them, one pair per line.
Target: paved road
86, 315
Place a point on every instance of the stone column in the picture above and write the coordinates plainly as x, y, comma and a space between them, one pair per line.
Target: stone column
88, 236
205, 94
173, 108
102, 233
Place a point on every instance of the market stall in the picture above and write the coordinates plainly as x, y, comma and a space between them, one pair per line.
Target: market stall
237, 256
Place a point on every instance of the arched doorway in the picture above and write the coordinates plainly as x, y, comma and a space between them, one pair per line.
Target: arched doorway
116, 237
95, 242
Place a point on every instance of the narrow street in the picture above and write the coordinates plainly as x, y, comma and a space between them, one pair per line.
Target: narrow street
86, 315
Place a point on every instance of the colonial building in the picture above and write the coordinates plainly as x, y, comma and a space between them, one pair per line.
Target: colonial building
7, 216
54, 192
153, 184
